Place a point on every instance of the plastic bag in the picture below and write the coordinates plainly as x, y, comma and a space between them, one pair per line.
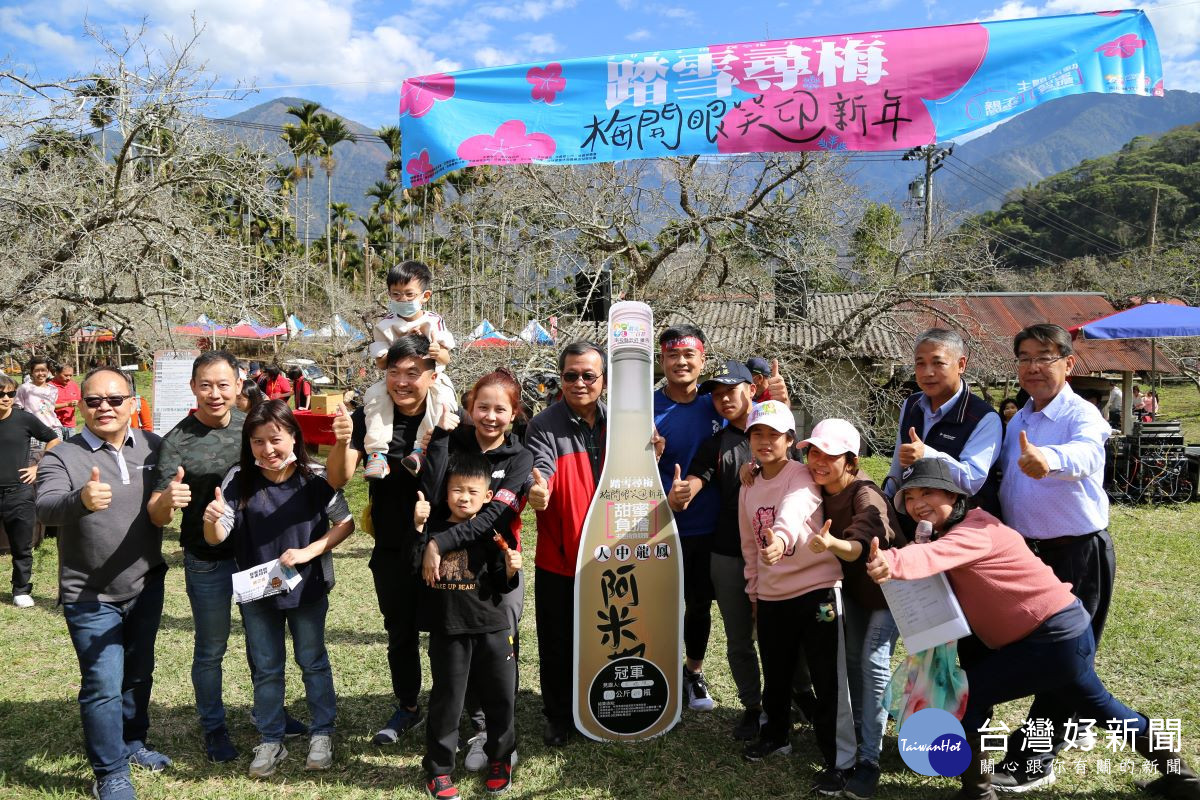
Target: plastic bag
929, 679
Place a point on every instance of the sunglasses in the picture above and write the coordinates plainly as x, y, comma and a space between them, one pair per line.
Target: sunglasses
113, 400
588, 378
9, 393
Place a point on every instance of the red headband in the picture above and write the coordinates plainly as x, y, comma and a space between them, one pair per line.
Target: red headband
683, 342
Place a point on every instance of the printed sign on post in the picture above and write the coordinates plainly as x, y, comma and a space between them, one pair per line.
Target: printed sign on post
173, 398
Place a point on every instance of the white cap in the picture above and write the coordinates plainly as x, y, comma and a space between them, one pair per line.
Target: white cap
773, 414
833, 437
630, 326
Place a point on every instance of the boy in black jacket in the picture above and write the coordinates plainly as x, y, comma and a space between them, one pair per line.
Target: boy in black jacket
469, 633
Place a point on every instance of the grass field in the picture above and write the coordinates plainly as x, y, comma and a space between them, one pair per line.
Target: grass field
1150, 658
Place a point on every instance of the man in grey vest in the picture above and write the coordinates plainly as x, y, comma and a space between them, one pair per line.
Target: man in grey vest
95, 487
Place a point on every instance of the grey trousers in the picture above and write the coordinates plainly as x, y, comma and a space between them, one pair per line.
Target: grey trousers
729, 584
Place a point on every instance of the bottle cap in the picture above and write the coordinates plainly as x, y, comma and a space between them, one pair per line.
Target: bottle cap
630, 327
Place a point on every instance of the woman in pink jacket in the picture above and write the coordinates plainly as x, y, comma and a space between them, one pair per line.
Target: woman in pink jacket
796, 596
1039, 633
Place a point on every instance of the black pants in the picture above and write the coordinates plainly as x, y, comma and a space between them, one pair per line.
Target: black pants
513, 603
811, 622
396, 589
1089, 564
16, 508
554, 613
698, 594
483, 658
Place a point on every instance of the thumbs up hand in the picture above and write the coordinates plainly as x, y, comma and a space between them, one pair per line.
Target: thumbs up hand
539, 493
1032, 461
776, 385
343, 427
96, 496
877, 566
179, 492
681, 491
421, 511
913, 451
823, 540
216, 509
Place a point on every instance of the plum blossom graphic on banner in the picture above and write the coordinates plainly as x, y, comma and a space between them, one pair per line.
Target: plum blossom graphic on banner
1121, 47
419, 169
510, 144
547, 83
875, 91
418, 95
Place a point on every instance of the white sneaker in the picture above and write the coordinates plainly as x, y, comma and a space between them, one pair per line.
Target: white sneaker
320, 751
697, 691
267, 757
22, 601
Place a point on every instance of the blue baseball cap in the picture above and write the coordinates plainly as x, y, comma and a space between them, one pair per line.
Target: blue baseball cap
728, 374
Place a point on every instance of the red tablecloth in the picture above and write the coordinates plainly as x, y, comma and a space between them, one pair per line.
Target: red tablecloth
317, 428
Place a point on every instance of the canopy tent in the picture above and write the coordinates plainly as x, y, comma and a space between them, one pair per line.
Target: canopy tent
202, 327
337, 328
1148, 321
486, 335
250, 329
295, 327
534, 333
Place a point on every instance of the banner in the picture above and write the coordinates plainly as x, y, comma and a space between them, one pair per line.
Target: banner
884, 90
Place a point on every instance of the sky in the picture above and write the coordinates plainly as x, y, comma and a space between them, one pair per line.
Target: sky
352, 55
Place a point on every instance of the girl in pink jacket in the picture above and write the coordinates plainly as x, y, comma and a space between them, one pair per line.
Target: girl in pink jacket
797, 599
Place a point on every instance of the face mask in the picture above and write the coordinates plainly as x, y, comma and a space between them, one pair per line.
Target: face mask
404, 308
291, 459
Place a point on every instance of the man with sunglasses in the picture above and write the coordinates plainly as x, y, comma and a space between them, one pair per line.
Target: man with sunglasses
110, 577
17, 428
568, 444
1053, 495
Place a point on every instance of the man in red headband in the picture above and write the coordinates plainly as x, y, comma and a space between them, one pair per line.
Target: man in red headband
685, 419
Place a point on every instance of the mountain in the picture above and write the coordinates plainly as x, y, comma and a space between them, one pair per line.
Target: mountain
1048, 139
357, 166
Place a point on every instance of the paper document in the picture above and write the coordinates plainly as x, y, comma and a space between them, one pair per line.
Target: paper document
926, 611
264, 580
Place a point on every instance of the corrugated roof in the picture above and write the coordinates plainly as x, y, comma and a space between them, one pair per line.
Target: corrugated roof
991, 320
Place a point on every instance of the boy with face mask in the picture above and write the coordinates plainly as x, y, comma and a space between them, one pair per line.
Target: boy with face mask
408, 293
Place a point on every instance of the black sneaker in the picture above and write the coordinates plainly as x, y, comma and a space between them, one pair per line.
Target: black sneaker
830, 781
762, 748
863, 782
220, 750
1016, 777
697, 691
557, 734
499, 777
401, 722
442, 787
747, 728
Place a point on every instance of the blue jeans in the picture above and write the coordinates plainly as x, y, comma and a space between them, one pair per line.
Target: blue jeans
870, 638
1064, 670
264, 641
115, 646
210, 592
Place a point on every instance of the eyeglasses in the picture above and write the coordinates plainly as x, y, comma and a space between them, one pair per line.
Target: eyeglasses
1041, 362
588, 378
9, 393
113, 400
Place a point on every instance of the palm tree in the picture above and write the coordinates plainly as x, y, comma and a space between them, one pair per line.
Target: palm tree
102, 93
385, 205
390, 134
303, 141
331, 131
342, 215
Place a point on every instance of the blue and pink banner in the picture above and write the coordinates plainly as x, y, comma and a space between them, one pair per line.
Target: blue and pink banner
884, 90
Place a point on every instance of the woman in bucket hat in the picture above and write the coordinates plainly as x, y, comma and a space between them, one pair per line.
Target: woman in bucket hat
1039, 634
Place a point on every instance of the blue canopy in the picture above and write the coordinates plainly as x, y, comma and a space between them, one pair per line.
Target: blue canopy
1149, 321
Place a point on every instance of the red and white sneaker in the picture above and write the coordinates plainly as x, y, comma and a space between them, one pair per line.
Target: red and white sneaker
442, 788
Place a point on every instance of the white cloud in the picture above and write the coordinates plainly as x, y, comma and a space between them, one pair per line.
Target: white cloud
494, 57
528, 10
540, 44
640, 35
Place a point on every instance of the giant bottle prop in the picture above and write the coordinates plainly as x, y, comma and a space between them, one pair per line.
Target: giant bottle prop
628, 579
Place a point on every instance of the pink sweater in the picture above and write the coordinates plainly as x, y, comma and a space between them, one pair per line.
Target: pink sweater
1005, 590
790, 505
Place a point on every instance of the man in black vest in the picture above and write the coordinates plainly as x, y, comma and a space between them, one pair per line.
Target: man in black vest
945, 421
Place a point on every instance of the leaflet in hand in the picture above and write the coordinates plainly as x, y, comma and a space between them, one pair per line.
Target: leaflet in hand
264, 580
926, 612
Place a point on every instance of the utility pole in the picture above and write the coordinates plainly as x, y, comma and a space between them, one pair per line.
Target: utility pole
933, 157
1154, 222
